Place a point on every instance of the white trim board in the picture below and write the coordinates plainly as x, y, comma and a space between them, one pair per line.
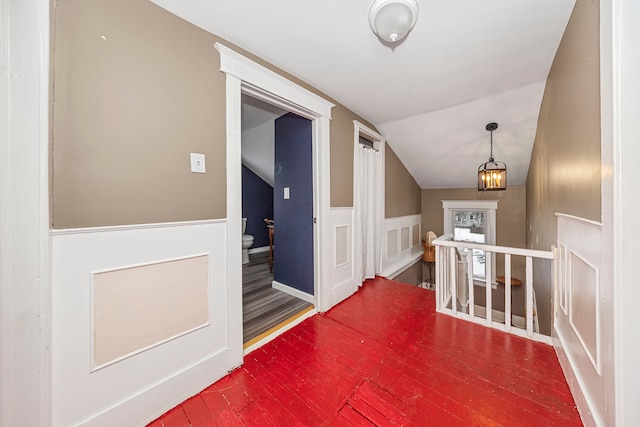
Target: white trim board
105, 229
25, 285
292, 291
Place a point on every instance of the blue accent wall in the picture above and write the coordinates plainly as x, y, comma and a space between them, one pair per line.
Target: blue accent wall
257, 204
293, 251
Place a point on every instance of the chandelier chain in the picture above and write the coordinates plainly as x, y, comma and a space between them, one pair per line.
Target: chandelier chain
491, 152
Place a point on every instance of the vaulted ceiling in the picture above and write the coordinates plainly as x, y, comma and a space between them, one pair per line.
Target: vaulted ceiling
465, 64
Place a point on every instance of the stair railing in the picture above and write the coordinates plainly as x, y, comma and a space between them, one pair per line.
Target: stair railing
455, 284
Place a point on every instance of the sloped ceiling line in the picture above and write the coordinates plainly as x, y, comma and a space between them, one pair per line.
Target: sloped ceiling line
465, 63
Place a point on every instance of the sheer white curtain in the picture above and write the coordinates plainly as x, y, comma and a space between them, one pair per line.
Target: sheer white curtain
371, 211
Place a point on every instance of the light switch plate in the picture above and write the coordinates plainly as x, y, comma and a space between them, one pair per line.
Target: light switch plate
286, 193
197, 163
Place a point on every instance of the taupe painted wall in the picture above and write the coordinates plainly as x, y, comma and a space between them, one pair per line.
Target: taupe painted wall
342, 157
510, 217
413, 275
564, 173
130, 107
135, 91
402, 193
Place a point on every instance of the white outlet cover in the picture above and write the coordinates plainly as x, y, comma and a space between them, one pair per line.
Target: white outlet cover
286, 193
198, 163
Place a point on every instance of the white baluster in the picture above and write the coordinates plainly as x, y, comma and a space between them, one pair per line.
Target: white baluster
507, 292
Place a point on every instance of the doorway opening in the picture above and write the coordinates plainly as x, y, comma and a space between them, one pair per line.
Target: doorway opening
277, 194
244, 76
368, 200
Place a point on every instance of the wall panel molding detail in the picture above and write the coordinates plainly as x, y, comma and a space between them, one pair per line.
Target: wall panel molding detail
341, 245
136, 308
584, 306
142, 383
401, 243
392, 243
563, 279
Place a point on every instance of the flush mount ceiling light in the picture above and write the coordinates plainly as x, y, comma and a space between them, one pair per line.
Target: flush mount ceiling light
391, 20
492, 175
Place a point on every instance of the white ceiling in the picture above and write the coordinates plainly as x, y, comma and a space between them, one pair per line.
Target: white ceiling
465, 64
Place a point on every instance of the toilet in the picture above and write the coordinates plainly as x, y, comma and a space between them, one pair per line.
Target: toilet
247, 242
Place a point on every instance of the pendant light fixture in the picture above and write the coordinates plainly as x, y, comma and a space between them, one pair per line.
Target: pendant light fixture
492, 175
391, 20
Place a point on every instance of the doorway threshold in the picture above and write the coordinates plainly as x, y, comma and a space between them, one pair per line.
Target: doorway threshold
281, 327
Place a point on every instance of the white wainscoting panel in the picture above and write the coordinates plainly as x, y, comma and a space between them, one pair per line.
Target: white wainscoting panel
132, 390
343, 280
579, 324
402, 243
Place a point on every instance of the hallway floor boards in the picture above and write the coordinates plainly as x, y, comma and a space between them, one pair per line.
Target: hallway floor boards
384, 357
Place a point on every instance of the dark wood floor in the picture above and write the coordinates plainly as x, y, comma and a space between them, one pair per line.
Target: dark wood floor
384, 357
262, 306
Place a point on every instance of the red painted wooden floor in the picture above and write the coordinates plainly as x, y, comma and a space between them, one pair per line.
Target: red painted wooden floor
384, 357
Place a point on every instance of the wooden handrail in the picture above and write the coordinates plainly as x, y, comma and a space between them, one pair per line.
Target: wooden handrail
447, 240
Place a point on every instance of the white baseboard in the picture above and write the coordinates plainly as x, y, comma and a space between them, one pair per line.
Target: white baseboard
258, 249
143, 407
292, 291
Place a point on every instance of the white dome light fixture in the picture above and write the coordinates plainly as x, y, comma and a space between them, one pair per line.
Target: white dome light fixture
391, 20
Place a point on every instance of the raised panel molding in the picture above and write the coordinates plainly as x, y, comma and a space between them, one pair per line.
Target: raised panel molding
341, 245
584, 306
136, 308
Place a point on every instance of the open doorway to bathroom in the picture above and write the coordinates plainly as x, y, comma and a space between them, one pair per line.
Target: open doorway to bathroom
276, 171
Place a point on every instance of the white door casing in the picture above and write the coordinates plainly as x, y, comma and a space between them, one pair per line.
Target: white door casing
248, 77
25, 326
